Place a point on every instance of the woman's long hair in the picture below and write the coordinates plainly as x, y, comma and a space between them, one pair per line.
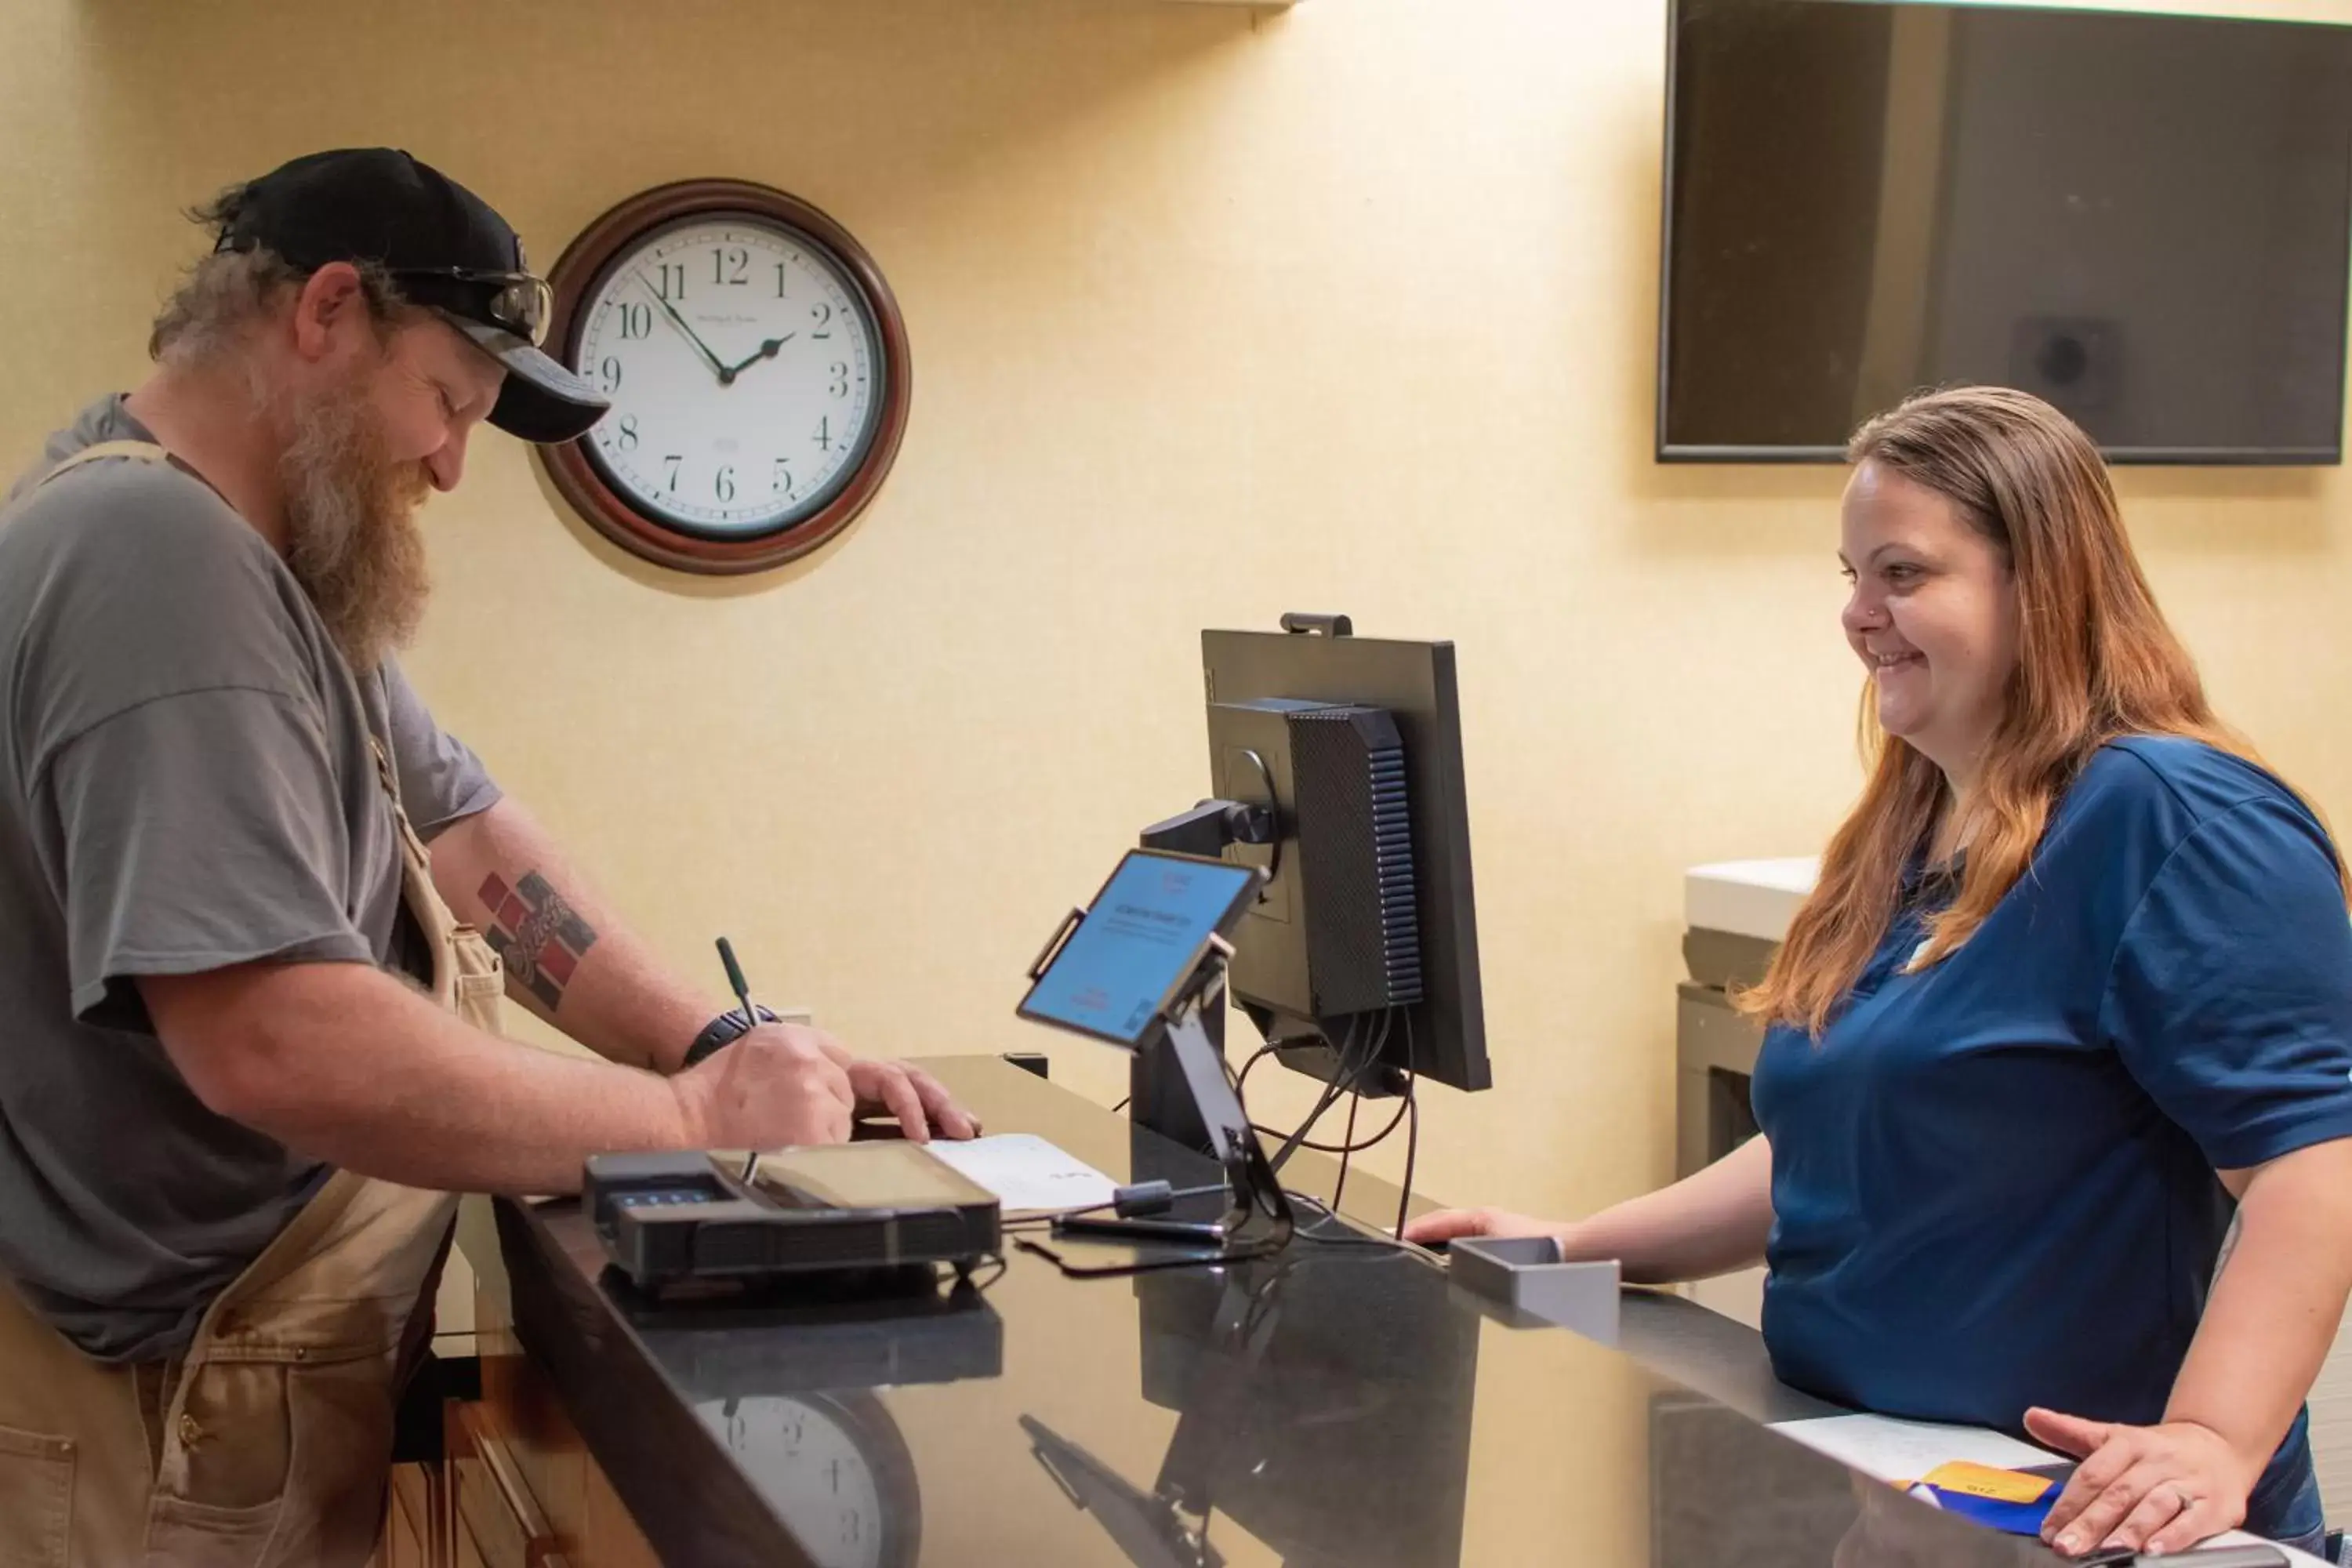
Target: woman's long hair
2095, 662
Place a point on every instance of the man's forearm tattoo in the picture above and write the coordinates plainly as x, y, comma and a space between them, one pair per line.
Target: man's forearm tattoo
541, 937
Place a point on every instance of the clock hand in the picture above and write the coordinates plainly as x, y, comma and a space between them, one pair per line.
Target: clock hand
724, 374
767, 350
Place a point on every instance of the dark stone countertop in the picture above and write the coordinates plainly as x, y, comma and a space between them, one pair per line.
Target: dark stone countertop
1339, 1404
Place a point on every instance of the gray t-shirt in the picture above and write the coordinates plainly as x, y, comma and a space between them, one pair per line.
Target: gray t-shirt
185, 784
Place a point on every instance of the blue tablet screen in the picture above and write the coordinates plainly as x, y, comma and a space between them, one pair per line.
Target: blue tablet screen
1139, 939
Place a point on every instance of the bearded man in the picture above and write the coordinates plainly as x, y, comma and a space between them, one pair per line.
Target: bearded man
250, 1048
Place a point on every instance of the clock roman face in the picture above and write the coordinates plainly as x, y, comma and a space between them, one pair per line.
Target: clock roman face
746, 370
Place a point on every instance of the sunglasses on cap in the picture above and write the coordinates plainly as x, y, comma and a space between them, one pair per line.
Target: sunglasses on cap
518, 302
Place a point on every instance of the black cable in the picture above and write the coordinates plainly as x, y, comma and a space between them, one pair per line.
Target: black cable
1412, 1148
1046, 1221
1355, 1103
1347, 1147
1413, 1132
1120, 1105
1330, 1097
1228, 1254
1143, 1266
1345, 1080
1395, 1122
1174, 1197
1324, 1213
1255, 1056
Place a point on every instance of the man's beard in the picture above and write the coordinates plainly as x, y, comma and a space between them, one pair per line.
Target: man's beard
351, 538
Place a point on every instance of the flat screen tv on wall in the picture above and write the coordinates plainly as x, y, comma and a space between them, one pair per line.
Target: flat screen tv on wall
2143, 218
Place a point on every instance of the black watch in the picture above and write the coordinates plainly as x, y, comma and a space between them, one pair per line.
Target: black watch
725, 1030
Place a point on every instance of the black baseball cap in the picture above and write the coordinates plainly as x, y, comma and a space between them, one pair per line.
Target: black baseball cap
444, 247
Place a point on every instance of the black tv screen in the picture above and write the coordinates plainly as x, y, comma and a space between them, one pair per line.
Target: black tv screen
2142, 218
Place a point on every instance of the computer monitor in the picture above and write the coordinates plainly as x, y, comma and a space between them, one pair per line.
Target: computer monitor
1336, 765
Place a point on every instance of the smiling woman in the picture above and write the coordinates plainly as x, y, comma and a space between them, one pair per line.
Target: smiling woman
2077, 973
1990, 561
1933, 616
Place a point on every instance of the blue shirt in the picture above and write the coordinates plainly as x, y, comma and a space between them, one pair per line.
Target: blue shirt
1992, 1181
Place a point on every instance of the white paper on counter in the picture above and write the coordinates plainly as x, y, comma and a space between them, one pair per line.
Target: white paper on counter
1027, 1174
1896, 1450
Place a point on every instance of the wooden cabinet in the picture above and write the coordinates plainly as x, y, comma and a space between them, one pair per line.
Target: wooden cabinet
521, 1477
488, 1505
412, 1534
516, 1487
524, 1491
494, 1515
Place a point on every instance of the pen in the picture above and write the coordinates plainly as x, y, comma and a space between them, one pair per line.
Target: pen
735, 979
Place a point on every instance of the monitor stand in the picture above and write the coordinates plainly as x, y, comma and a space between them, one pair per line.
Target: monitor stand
1158, 1098
1190, 1074
1159, 1101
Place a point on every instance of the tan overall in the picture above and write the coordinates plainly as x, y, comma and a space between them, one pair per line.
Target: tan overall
268, 1442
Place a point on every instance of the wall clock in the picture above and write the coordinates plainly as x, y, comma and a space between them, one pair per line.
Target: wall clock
757, 364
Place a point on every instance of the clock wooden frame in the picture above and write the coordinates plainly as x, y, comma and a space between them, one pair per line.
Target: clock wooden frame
580, 270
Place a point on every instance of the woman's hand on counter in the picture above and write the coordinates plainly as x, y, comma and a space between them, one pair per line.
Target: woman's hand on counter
2153, 1489
1712, 1221
1446, 1224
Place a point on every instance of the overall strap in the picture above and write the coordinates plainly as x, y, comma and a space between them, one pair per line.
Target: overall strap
134, 451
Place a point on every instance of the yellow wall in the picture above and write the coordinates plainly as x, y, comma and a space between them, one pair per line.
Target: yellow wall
1214, 316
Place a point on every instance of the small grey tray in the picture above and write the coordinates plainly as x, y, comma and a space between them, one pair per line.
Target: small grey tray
1526, 1272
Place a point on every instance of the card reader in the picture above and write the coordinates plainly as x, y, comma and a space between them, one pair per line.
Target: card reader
719, 1217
